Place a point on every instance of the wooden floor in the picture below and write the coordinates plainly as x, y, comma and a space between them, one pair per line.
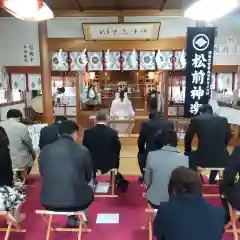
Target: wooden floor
128, 161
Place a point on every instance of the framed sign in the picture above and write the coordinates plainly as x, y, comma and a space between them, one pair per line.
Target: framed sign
121, 31
200, 48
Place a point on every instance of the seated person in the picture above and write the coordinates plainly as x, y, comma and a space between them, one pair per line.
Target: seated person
103, 144
20, 143
147, 134
230, 185
66, 171
50, 134
160, 164
187, 215
11, 194
152, 99
213, 133
122, 107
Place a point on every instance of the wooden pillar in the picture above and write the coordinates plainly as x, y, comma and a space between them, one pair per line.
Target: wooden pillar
137, 82
78, 103
45, 72
105, 80
166, 87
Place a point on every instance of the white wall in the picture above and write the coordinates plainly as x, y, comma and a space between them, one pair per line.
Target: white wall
15, 34
170, 26
227, 28
72, 27
4, 110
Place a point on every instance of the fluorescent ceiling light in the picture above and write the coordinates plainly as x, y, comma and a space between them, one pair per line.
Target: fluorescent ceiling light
31, 10
208, 10
44, 13
25, 9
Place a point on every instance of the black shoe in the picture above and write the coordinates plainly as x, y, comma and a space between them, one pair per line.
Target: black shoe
140, 180
68, 225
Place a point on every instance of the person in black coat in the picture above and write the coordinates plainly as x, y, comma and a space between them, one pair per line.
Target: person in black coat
230, 185
6, 172
103, 144
213, 133
49, 134
187, 215
147, 135
66, 173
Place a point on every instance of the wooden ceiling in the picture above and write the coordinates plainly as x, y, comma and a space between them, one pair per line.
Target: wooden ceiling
86, 5
81, 6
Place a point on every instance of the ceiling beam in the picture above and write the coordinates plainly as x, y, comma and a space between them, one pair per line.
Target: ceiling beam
124, 13
37, 69
163, 4
76, 44
79, 5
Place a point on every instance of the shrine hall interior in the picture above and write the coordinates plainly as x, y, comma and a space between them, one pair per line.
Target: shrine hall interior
139, 45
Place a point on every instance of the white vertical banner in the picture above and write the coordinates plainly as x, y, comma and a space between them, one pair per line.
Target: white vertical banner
18, 82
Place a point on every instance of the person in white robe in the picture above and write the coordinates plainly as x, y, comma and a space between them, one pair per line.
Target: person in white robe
213, 102
122, 108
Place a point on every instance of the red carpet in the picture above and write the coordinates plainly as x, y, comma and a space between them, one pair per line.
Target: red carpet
130, 206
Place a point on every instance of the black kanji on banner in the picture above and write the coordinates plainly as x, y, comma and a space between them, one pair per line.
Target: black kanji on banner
200, 46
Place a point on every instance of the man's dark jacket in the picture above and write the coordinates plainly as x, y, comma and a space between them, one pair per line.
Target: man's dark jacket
213, 133
104, 146
66, 169
148, 131
189, 217
230, 181
48, 135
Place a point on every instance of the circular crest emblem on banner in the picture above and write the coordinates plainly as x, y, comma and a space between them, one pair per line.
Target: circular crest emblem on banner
201, 42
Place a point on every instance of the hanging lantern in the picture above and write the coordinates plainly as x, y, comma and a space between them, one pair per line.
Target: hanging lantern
121, 62
105, 60
83, 57
69, 61
139, 62
173, 74
35, 11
